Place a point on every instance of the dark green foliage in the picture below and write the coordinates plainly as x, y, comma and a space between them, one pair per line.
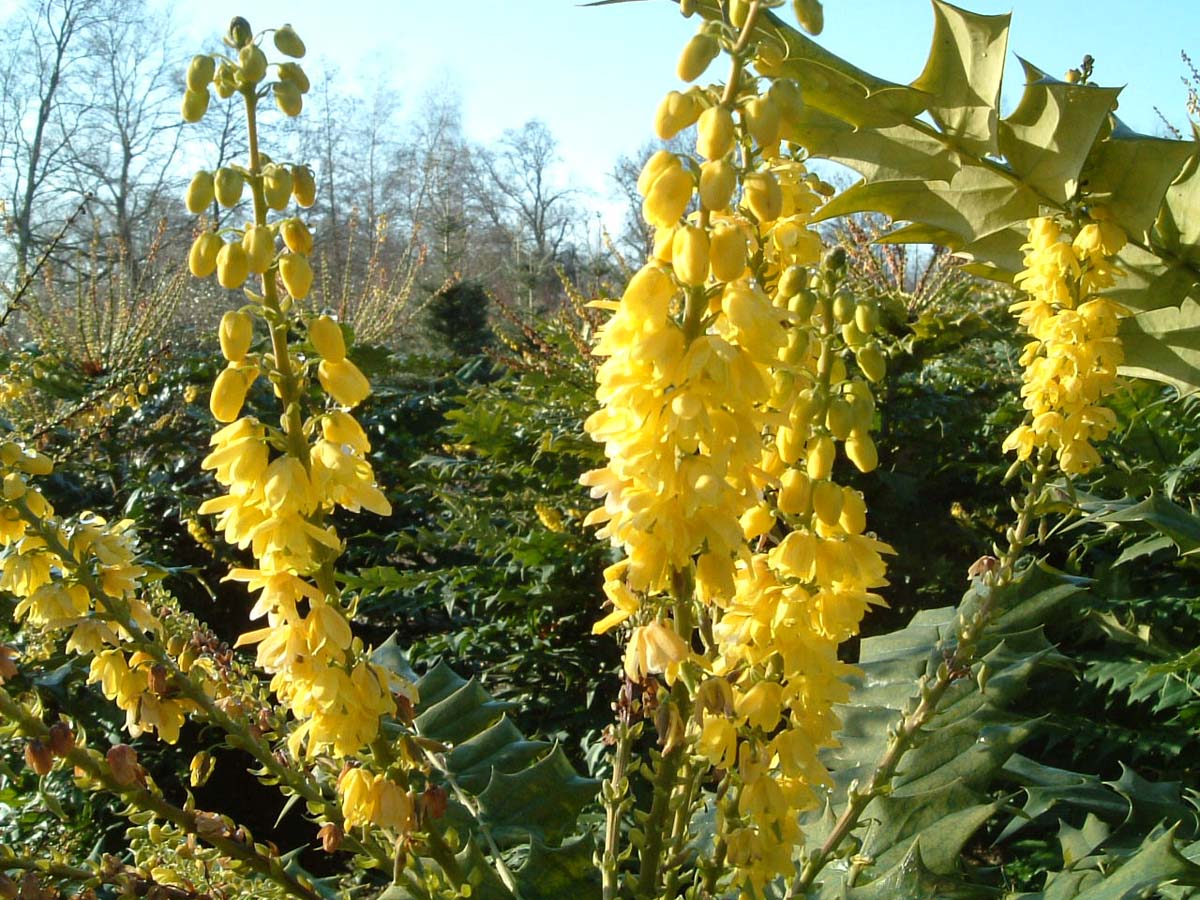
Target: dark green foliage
459, 317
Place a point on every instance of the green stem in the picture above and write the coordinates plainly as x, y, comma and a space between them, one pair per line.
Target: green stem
614, 806
931, 694
144, 798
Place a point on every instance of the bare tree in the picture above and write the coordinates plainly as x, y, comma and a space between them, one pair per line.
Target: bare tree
40, 115
516, 189
123, 151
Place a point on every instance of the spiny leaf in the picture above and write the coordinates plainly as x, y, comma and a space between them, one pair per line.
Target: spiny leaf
1047, 138
963, 75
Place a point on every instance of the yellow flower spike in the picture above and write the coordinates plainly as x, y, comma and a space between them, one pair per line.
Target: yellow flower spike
233, 266
228, 394
326, 337
236, 334
259, 244
253, 63
277, 186
296, 235
227, 185
200, 192
200, 73
714, 132
697, 55
202, 258
194, 106
727, 252
689, 255
296, 273
288, 42
343, 382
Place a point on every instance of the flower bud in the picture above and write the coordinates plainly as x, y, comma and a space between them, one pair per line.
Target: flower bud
62, 741
288, 42
795, 493
718, 179
259, 244
227, 186
296, 236
761, 117
304, 186
331, 837
854, 512
727, 252
810, 15
655, 166
839, 418
343, 382
288, 99
714, 132
668, 197
296, 273
236, 334
8, 668
819, 457
239, 34
200, 192
200, 73
785, 93
843, 306
697, 54
861, 450
762, 196
201, 768
293, 73
233, 266
202, 258
676, 111
872, 362
827, 502
228, 394
866, 317
277, 186
195, 105
689, 255
326, 337
225, 80
39, 758
739, 12
253, 64
123, 762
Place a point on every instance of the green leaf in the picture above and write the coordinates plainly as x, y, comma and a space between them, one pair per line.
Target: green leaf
1130, 174
1164, 344
1047, 138
963, 74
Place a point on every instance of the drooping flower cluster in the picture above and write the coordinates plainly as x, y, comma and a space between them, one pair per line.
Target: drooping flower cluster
283, 482
724, 393
82, 575
1071, 362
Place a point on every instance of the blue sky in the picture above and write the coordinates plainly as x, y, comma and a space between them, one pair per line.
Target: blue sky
595, 75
